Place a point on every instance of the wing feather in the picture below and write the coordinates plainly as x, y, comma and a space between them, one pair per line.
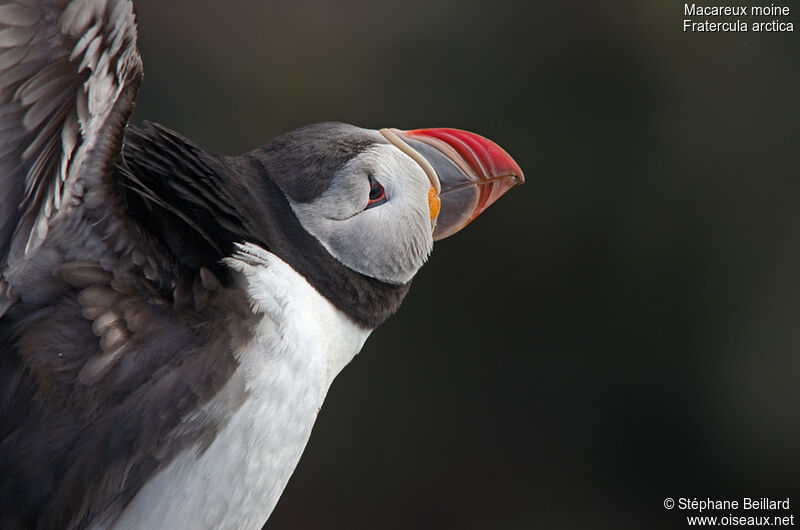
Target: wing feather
64, 69
117, 341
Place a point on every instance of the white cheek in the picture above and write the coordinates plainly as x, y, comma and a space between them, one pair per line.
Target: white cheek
406, 184
389, 242
340, 203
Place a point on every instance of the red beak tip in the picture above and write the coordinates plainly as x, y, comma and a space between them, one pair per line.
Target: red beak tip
485, 157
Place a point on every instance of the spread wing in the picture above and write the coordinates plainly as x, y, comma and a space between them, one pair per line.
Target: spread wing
106, 343
69, 71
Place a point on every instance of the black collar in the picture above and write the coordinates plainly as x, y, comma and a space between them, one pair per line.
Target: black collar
199, 205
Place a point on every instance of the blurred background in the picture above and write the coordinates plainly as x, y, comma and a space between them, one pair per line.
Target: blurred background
623, 328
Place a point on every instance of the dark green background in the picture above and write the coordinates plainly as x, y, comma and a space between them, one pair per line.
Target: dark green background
621, 329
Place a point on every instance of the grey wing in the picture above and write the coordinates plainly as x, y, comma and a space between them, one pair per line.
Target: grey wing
105, 362
104, 365
69, 70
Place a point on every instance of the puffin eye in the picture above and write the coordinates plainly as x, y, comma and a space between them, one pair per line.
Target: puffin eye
377, 195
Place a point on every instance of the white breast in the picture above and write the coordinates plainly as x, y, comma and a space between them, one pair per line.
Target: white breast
302, 342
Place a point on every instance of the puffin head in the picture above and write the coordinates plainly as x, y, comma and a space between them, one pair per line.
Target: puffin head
354, 211
376, 200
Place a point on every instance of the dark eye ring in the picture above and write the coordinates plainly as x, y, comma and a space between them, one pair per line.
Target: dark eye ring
377, 195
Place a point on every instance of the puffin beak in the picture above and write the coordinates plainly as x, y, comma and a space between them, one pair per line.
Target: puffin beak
467, 173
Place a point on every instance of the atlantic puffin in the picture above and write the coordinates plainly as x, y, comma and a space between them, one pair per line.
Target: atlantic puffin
171, 319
